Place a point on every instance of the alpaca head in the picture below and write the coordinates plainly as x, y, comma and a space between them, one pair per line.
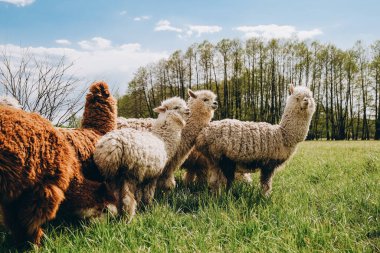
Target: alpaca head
9, 101
301, 101
177, 104
91, 199
202, 102
169, 118
100, 111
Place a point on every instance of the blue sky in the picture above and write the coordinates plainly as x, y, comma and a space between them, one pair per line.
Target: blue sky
110, 39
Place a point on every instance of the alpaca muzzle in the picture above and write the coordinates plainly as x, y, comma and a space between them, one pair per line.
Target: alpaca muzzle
215, 105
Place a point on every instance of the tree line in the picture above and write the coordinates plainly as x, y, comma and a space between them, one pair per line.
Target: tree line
251, 78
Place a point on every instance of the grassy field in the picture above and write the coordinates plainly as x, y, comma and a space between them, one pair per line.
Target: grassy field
326, 199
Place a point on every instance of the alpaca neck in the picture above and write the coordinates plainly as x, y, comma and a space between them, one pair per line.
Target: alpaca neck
170, 137
194, 125
101, 119
294, 126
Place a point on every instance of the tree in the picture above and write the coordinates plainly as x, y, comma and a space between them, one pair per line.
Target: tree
251, 82
43, 85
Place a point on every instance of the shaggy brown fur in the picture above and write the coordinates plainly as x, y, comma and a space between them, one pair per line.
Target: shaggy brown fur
39, 167
87, 199
100, 110
36, 166
99, 117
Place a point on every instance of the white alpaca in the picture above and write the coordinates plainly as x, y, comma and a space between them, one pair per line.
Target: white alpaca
202, 105
249, 145
9, 101
133, 160
175, 103
195, 164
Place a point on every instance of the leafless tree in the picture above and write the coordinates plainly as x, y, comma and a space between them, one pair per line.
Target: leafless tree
42, 84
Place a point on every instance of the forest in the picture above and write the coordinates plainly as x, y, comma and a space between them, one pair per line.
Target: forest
251, 78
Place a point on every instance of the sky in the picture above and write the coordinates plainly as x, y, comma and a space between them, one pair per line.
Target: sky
109, 40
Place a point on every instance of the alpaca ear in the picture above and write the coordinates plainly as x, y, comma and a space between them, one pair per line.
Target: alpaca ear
192, 94
160, 109
291, 89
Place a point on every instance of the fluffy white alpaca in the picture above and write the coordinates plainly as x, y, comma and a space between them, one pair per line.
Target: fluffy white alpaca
175, 103
9, 101
133, 160
202, 105
249, 145
195, 165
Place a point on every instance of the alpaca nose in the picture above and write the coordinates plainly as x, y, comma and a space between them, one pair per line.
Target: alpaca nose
306, 101
215, 104
187, 111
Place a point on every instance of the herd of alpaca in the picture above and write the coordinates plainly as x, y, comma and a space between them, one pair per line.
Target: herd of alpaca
114, 165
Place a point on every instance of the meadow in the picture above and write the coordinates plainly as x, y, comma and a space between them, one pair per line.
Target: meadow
326, 199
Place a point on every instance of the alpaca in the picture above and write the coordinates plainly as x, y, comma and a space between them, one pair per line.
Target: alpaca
202, 105
36, 167
196, 164
85, 199
39, 173
9, 101
99, 117
133, 160
249, 145
174, 103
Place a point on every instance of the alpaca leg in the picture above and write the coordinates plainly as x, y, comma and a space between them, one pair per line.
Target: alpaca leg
39, 208
189, 176
215, 178
266, 179
167, 181
244, 177
228, 168
11, 221
148, 191
127, 201
201, 176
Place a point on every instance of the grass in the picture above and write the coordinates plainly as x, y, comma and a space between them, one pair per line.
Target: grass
326, 199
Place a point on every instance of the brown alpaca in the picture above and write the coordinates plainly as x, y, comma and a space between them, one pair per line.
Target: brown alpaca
46, 156
36, 167
99, 117
86, 197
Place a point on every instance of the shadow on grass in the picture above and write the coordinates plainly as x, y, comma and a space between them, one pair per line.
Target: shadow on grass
195, 197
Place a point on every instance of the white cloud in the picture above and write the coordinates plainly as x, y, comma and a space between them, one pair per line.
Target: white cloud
63, 42
114, 64
164, 25
277, 31
303, 35
199, 29
141, 18
122, 13
96, 43
20, 3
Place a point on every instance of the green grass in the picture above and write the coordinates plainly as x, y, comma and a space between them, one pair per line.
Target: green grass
326, 199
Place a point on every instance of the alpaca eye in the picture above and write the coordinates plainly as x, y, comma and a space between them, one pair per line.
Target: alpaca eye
176, 108
205, 99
